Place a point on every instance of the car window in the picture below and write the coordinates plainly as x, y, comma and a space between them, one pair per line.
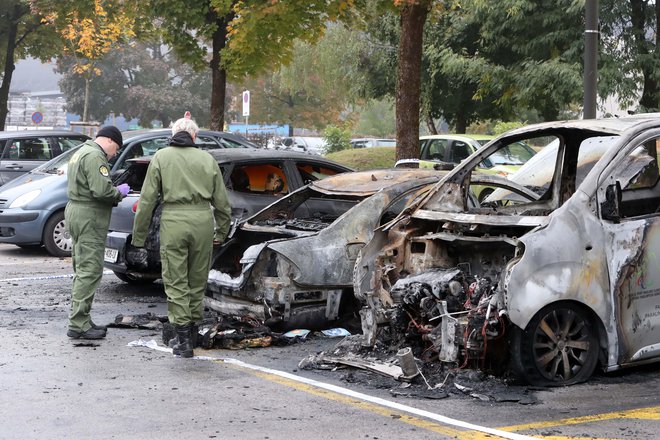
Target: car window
435, 150
259, 179
229, 143
207, 143
67, 143
515, 154
30, 149
311, 172
459, 151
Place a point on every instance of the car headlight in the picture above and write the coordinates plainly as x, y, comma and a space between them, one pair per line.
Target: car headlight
25, 198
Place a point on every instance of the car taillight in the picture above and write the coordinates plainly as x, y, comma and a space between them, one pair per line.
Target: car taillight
135, 206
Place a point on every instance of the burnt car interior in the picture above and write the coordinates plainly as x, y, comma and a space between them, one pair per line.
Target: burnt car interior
259, 179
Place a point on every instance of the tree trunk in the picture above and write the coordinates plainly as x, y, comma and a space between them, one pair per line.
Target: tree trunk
650, 93
218, 74
9, 69
430, 125
86, 100
460, 124
408, 81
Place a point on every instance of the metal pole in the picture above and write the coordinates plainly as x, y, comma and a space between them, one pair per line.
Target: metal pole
590, 59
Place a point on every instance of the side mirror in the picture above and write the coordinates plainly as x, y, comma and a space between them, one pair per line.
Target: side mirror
287, 142
610, 208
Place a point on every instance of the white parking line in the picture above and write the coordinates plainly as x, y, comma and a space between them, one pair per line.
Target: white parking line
354, 394
47, 277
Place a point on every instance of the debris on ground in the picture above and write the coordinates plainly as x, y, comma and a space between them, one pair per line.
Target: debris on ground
147, 321
383, 367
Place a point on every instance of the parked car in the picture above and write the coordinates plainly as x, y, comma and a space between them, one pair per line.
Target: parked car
254, 179
291, 264
444, 152
554, 272
22, 151
370, 142
32, 206
302, 144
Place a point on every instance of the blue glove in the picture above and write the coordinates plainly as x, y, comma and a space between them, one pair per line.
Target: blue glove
123, 189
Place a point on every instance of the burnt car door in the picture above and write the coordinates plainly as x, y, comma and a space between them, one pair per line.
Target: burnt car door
629, 197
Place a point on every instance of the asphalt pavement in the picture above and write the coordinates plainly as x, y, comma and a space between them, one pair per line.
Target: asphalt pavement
56, 387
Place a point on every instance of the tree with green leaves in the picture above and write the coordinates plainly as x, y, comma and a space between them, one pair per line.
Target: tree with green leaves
630, 53
246, 37
142, 80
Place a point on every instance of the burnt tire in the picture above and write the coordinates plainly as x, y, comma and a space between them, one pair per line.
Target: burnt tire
56, 238
559, 346
131, 280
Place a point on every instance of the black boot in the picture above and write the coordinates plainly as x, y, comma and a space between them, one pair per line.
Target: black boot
169, 335
194, 336
184, 348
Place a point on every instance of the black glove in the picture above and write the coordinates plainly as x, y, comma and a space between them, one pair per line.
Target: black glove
137, 257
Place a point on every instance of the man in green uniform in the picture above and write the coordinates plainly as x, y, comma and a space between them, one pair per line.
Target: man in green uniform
87, 215
189, 183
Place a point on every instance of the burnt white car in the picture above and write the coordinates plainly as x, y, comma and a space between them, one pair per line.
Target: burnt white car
554, 272
291, 264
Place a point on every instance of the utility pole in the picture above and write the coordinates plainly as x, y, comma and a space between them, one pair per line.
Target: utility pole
591, 35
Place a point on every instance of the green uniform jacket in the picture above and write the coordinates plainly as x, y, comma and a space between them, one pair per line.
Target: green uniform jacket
88, 176
182, 176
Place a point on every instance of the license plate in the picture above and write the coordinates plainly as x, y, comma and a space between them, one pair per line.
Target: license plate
110, 255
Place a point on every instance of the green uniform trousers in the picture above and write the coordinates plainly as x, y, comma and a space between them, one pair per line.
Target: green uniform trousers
88, 226
186, 244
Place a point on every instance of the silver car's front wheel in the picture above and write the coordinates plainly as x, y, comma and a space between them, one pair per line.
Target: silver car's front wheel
56, 238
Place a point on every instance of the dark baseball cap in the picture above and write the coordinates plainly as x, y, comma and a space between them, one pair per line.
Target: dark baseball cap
112, 132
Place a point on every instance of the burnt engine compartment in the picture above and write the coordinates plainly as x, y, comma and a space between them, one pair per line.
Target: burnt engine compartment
440, 293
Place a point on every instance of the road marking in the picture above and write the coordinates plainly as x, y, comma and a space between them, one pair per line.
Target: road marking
47, 277
370, 402
650, 413
380, 406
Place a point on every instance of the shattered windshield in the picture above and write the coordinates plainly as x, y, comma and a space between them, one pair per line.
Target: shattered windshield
538, 173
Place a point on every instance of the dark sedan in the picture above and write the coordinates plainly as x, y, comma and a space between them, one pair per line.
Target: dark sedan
254, 179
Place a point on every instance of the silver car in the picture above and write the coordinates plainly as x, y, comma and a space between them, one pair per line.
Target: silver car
555, 272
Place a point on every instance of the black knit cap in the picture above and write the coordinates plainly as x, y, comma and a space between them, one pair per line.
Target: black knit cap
112, 132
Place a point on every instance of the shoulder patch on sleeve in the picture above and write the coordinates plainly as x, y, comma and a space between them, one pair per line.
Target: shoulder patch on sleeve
104, 171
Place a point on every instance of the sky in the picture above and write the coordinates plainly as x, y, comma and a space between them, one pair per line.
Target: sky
33, 76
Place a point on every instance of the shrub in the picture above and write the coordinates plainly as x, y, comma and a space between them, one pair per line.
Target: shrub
336, 139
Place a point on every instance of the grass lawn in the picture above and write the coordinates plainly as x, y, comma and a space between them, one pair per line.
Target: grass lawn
365, 158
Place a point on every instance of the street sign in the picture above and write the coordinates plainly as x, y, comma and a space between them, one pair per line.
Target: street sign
37, 118
246, 103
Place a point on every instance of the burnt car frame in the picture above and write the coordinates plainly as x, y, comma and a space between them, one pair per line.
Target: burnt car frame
553, 273
291, 264
254, 178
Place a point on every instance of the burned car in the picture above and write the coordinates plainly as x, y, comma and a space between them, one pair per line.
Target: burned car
254, 179
554, 273
291, 264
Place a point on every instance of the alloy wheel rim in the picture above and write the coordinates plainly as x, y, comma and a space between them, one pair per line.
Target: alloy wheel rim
62, 238
561, 345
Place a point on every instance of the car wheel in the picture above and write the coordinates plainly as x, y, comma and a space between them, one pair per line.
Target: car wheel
56, 238
558, 347
130, 280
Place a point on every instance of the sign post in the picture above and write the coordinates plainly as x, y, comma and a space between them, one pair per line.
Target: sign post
246, 108
37, 118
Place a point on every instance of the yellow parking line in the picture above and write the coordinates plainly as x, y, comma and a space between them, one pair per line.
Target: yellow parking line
651, 413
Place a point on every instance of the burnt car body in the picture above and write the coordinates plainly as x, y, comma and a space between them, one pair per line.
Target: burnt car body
291, 264
554, 272
254, 179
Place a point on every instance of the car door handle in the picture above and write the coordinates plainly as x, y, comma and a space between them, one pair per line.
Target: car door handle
14, 166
